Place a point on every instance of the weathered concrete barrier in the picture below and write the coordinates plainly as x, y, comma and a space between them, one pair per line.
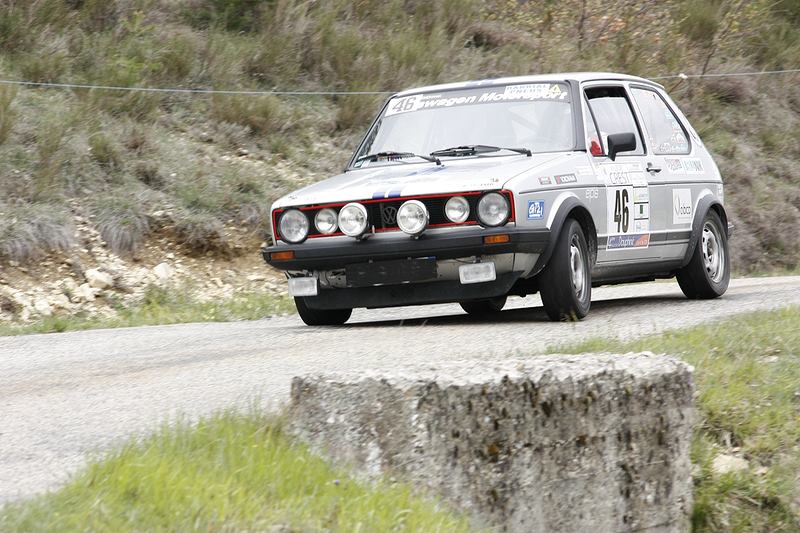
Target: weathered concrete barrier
594, 442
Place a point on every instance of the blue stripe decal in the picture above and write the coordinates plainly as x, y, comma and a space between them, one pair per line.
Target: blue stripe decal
377, 195
393, 194
427, 171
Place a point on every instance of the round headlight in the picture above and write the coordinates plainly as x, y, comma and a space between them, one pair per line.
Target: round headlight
293, 226
353, 220
325, 221
493, 209
412, 217
457, 209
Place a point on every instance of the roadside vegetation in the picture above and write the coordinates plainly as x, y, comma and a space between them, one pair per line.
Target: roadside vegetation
216, 163
238, 471
229, 472
747, 374
160, 306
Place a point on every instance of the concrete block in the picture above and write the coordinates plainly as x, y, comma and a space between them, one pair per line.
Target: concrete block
591, 442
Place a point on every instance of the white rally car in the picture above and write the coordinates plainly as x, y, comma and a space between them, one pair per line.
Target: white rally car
471, 192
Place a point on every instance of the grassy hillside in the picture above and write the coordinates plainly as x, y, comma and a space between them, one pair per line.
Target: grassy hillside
201, 171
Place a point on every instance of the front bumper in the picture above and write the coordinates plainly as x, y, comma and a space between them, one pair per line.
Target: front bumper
433, 292
330, 253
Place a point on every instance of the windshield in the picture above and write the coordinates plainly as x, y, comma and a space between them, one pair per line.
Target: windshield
535, 116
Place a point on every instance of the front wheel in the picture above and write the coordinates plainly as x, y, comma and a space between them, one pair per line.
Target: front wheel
484, 307
321, 317
566, 284
709, 270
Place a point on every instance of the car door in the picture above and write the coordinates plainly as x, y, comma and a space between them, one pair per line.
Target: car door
624, 232
671, 169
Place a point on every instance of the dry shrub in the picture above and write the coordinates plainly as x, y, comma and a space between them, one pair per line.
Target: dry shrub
7, 113
355, 112
149, 173
32, 230
122, 222
104, 151
491, 35
201, 232
261, 114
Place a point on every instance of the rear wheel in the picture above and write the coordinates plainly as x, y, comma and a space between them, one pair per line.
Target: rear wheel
565, 283
484, 307
709, 270
321, 317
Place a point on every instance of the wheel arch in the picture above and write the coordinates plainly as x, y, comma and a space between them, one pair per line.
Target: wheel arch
704, 205
570, 208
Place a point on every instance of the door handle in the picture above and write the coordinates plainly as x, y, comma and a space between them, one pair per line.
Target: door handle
653, 169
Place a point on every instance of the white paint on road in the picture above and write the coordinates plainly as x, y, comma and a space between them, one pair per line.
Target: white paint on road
66, 396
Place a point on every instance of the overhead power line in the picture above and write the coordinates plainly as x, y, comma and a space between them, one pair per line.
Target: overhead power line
726, 74
185, 91
177, 90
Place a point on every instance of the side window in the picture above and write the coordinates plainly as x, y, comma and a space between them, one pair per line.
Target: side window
613, 114
592, 137
665, 134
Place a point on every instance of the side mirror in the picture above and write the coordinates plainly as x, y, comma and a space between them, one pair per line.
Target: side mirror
620, 142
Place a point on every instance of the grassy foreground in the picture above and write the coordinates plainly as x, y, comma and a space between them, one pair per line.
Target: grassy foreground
235, 472
228, 473
161, 306
748, 380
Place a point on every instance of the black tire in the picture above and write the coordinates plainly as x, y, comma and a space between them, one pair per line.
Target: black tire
567, 297
321, 317
709, 270
484, 307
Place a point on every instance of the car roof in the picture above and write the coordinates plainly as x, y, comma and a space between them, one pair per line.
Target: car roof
537, 78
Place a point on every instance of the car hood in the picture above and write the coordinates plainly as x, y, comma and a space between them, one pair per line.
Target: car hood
413, 179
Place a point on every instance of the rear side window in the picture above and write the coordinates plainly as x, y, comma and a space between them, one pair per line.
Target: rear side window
613, 114
665, 134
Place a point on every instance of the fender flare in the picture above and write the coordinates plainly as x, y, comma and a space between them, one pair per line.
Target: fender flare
705, 204
568, 206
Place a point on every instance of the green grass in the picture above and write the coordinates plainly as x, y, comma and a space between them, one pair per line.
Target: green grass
229, 472
161, 306
748, 382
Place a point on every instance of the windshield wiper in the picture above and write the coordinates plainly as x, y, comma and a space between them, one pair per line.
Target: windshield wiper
474, 149
392, 155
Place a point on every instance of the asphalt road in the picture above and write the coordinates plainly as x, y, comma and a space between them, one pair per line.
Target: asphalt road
65, 397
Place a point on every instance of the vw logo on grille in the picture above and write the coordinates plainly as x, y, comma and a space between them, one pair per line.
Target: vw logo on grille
388, 215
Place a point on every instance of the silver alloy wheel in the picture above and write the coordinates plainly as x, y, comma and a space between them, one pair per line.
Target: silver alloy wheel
577, 268
713, 253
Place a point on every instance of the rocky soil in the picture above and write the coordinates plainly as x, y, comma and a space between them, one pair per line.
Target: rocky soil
92, 281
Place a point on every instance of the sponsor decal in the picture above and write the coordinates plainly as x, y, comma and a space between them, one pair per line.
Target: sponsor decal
584, 171
641, 211
546, 181
641, 226
592, 194
624, 174
674, 165
534, 91
693, 166
566, 178
535, 209
641, 195
682, 210
619, 242
721, 192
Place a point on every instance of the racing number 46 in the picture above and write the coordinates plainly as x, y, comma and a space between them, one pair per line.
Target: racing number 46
621, 213
404, 104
